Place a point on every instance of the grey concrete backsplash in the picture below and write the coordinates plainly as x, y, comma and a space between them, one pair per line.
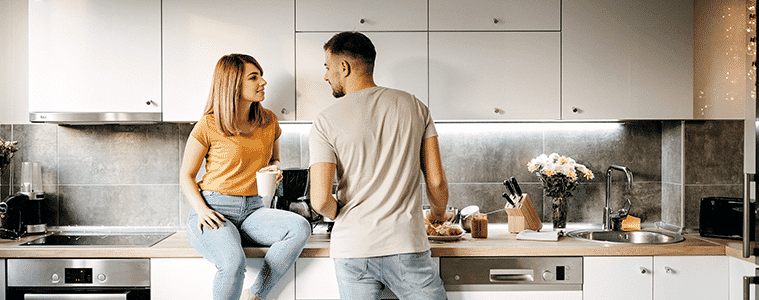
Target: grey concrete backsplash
127, 175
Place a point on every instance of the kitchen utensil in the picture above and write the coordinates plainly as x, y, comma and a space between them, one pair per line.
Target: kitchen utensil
509, 195
267, 183
516, 187
466, 214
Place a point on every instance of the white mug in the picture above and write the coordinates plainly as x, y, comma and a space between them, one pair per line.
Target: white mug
267, 184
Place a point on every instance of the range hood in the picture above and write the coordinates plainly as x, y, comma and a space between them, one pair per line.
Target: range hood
95, 118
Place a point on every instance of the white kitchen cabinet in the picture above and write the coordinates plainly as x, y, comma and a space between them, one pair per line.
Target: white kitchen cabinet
361, 15
192, 279
627, 278
197, 33
657, 278
95, 56
495, 15
738, 269
401, 63
316, 280
495, 75
690, 277
627, 59
3, 279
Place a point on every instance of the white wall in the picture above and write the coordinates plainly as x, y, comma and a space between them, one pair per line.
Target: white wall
14, 66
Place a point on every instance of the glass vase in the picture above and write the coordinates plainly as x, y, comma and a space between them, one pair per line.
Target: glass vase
559, 206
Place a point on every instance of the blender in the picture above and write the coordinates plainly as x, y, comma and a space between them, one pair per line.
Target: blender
33, 216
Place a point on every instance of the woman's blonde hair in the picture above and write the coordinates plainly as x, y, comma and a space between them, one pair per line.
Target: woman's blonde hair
225, 94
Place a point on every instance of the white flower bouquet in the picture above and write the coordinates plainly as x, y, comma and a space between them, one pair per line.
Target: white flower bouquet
559, 174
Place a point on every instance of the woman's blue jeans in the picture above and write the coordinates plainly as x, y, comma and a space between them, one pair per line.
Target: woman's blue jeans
285, 232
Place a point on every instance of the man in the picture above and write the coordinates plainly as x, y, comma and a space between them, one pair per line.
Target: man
379, 142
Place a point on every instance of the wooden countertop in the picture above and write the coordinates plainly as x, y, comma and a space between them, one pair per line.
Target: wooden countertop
498, 243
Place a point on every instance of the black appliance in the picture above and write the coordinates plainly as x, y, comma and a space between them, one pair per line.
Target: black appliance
11, 207
69, 279
721, 217
293, 195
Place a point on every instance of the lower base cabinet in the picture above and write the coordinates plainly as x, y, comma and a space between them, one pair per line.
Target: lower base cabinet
738, 269
516, 295
192, 278
656, 278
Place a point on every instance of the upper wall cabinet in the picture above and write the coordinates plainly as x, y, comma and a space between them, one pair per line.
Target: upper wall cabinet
458, 15
495, 75
401, 63
495, 60
361, 15
95, 56
198, 33
627, 59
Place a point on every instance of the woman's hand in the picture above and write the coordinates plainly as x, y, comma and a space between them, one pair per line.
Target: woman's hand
273, 168
210, 218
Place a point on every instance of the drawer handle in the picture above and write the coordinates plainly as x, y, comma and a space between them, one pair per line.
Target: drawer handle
512, 275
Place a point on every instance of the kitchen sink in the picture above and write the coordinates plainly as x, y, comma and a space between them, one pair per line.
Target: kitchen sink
646, 236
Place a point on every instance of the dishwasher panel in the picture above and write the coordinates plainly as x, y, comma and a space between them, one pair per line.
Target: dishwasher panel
493, 274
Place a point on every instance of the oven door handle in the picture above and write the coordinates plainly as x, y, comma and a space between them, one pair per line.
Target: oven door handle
122, 296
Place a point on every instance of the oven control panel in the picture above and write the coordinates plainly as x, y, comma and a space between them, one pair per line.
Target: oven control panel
78, 272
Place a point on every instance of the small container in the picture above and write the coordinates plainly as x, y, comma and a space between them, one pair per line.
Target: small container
480, 226
466, 216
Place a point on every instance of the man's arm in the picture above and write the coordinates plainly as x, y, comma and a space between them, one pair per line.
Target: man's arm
434, 177
322, 175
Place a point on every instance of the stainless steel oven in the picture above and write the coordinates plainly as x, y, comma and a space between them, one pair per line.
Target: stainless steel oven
88, 279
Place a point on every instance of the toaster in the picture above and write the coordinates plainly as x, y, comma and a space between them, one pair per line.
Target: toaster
722, 217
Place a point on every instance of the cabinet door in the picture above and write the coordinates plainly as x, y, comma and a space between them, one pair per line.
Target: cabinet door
627, 59
495, 75
626, 278
197, 33
690, 277
495, 15
95, 56
316, 280
192, 279
739, 268
361, 15
401, 64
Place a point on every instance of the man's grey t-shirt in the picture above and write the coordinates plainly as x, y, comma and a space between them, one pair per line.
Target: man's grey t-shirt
374, 136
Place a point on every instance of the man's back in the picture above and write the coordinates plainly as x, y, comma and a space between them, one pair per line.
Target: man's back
374, 136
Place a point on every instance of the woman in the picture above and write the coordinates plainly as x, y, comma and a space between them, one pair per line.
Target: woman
237, 137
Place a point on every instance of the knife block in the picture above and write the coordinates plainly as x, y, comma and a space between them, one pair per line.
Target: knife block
523, 216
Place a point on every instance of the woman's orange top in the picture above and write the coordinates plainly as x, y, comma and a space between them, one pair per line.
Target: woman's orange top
232, 161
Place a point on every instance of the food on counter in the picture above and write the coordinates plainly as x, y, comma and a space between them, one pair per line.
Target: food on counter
443, 229
438, 228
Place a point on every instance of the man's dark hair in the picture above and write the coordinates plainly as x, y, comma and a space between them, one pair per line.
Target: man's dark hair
353, 44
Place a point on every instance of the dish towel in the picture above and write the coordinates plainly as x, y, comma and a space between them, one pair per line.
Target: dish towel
533, 235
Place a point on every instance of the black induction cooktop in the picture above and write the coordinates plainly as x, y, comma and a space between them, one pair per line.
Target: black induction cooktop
99, 239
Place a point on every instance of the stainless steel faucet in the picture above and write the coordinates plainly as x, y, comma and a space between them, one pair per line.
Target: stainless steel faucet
607, 209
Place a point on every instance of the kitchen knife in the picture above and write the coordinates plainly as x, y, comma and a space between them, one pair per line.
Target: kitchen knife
517, 189
509, 195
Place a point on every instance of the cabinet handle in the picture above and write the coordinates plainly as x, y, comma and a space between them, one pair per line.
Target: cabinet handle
149, 102
495, 21
283, 111
496, 110
644, 271
362, 21
575, 110
669, 270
